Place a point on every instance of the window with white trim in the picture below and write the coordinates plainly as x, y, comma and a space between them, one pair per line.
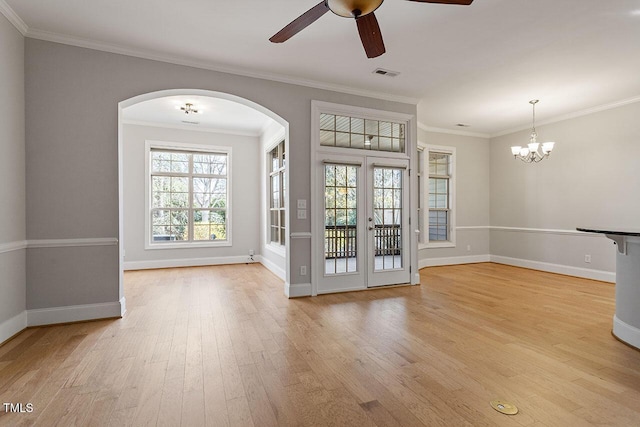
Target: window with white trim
189, 196
436, 188
277, 190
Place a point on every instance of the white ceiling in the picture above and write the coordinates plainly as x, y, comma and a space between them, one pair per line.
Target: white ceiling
478, 64
214, 114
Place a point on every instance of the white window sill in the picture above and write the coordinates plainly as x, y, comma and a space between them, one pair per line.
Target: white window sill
192, 245
436, 245
277, 249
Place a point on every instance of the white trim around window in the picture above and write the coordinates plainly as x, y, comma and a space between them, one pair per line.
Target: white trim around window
278, 249
423, 177
181, 146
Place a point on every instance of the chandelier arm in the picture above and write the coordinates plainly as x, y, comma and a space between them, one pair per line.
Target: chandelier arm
523, 158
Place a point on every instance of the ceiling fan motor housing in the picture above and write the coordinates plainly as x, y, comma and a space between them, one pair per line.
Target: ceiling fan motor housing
353, 8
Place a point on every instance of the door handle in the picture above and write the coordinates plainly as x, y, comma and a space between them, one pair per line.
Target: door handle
370, 228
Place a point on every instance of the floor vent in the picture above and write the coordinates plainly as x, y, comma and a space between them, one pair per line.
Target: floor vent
504, 407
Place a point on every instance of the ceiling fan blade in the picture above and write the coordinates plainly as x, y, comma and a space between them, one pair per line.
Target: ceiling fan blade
461, 2
300, 23
370, 35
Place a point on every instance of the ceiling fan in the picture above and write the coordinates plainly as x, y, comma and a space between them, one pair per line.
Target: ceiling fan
360, 10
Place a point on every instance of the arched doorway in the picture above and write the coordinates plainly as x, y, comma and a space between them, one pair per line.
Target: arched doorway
273, 135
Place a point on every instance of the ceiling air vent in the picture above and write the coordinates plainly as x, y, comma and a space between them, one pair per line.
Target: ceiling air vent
388, 73
190, 123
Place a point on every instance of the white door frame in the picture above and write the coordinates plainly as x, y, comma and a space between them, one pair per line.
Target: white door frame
318, 107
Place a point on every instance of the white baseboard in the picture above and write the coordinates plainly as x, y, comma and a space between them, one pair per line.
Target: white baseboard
434, 262
586, 273
273, 267
186, 262
625, 332
12, 326
75, 313
297, 290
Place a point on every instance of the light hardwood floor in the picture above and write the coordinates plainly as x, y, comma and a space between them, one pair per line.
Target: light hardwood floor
222, 346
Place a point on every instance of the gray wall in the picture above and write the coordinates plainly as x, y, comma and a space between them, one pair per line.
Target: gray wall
472, 196
245, 186
72, 97
591, 179
12, 174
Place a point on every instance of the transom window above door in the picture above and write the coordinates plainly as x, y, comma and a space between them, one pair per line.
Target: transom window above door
364, 134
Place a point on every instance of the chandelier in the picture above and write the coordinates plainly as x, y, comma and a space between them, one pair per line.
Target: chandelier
531, 153
188, 109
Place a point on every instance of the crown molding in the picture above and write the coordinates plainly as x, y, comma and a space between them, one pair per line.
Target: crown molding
576, 114
177, 60
13, 17
191, 128
428, 128
34, 33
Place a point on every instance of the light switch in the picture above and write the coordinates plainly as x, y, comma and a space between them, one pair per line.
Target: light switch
302, 204
302, 214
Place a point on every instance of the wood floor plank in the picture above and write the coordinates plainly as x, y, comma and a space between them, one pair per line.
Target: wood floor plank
221, 346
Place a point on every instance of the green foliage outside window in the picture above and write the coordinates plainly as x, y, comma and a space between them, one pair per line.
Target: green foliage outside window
188, 196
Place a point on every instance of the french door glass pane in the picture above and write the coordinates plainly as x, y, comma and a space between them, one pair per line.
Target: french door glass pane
387, 212
340, 219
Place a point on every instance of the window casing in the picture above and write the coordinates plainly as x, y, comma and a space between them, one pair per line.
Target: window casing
436, 187
277, 194
188, 189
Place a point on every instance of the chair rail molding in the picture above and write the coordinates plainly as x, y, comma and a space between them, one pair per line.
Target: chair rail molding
13, 246
64, 243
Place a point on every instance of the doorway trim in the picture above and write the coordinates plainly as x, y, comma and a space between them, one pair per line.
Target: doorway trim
317, 151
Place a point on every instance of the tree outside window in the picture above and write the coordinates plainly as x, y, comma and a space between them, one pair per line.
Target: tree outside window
189, 196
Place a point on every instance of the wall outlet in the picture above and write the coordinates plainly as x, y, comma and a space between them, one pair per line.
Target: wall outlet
251, 252
587, 258
303, 270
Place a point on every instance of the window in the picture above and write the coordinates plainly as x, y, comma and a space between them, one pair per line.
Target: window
436, 189
277, 187
365, 134
188, 197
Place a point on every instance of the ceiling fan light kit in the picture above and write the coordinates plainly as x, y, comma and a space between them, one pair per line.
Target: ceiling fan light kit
353, 8
360, 10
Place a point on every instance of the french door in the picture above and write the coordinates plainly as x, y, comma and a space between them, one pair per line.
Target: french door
365, 223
